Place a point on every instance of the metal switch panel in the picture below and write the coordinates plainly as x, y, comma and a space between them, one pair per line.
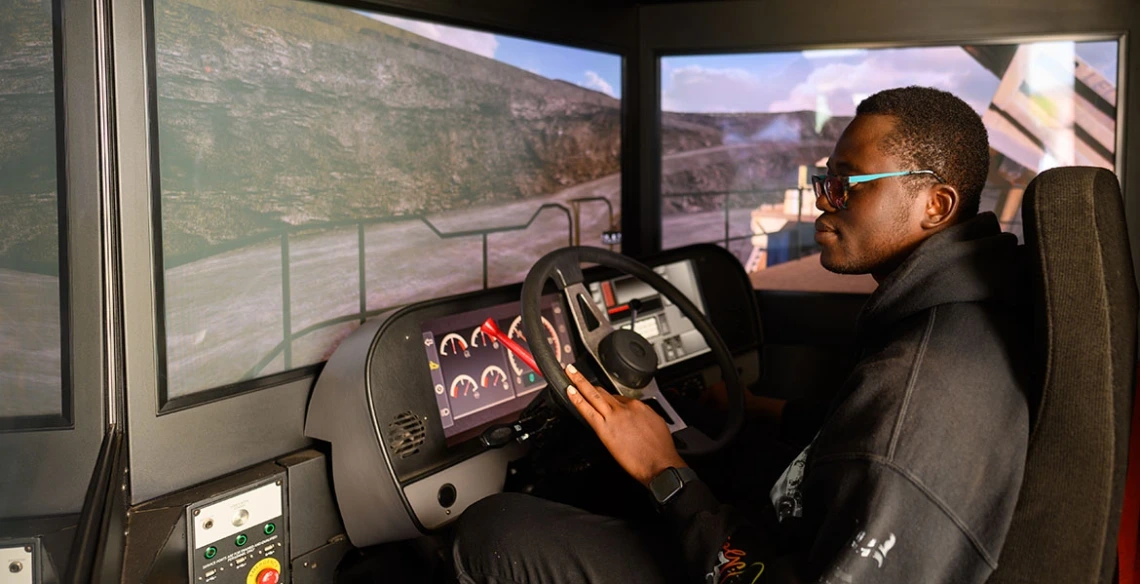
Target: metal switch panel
240, 537
17, 564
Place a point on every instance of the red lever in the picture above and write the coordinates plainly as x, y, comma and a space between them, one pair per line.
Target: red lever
493, 329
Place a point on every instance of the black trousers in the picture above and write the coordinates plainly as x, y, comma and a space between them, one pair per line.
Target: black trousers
513, 538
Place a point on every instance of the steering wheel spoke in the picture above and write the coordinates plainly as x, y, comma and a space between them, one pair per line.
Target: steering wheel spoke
627, 360
652, 396
592, 323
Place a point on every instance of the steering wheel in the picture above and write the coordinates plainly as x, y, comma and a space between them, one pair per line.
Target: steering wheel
625, 357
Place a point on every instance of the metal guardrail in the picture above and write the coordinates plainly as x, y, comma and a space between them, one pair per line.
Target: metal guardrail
285, 347
727, 196
289, 336
573, 238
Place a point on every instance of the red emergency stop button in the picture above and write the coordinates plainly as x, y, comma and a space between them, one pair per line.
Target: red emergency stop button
268, 576
266, 571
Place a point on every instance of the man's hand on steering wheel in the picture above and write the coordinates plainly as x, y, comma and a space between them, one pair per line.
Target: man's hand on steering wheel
634, 434
628, 361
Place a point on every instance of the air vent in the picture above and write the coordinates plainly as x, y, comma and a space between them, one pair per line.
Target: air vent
406, 434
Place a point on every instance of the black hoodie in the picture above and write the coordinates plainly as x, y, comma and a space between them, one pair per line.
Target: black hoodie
915, 474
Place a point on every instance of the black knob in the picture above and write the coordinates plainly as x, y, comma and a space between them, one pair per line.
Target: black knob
446, 495
628, 357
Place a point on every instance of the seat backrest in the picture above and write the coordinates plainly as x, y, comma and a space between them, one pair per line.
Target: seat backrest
1084, 302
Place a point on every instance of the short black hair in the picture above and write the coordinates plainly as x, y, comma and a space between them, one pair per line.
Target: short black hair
935, 130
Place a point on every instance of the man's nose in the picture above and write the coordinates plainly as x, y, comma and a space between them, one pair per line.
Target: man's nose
824, 204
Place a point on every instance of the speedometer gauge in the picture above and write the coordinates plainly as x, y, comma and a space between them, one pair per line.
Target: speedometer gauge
515, 332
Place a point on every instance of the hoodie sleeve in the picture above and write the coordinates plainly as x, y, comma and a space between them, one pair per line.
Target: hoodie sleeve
869, 523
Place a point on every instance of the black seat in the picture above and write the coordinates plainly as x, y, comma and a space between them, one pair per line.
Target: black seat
1084, 301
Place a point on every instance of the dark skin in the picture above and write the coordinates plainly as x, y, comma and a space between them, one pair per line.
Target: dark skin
884, 221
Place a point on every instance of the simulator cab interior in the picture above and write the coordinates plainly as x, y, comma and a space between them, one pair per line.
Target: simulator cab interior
287, 285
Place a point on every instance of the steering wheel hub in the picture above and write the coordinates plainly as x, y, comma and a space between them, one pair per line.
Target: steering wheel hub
628, 357
627, 360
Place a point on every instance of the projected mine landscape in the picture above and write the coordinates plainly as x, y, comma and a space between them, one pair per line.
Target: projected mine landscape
335, 126
291, 132
30, 324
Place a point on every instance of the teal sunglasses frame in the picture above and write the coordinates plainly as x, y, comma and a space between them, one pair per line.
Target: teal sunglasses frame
825, 184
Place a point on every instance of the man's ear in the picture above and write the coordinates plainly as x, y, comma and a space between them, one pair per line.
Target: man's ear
941, 207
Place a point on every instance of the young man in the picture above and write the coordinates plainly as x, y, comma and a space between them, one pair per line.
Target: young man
914, 475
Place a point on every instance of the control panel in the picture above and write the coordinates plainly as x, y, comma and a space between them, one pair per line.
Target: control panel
630, 303
18, 563
240, 537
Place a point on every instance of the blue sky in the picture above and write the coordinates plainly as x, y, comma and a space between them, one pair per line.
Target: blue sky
591, 69
837, 80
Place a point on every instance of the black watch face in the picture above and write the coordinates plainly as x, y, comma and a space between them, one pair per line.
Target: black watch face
665, 485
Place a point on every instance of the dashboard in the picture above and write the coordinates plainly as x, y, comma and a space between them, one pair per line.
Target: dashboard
475, 379
404, 399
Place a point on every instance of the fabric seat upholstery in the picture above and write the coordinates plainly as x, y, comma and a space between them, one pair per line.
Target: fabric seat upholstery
1084, 301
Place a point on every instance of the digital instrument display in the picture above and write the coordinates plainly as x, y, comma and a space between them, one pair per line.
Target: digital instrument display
476, 380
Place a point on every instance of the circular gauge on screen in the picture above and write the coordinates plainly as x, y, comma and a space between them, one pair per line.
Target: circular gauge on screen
515, 332
494, 377
464, 385
480, 339
453, 344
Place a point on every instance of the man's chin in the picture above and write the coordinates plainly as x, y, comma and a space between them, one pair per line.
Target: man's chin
839, 266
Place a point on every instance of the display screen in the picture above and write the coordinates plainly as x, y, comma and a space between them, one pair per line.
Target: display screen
477, 380
320, 164
740, 133
33, 332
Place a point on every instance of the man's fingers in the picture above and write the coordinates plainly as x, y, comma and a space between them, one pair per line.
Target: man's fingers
595, 396
592, 416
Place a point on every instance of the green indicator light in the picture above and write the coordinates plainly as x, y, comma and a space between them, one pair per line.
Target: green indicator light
241, 539
532, 378
211, 552
270, 528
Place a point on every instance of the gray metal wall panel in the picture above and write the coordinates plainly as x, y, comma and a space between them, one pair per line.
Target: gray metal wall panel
736, 26
46, 472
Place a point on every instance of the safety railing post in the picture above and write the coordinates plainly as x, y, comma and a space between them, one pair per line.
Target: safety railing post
727, 232
802, 183
360, 267
286, 308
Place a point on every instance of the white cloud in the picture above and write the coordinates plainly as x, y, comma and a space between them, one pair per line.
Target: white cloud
595, 81
694, 88
480, 43
838, 80
844, 84
833, 53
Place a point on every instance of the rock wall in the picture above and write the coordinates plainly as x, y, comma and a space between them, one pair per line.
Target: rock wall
296, 112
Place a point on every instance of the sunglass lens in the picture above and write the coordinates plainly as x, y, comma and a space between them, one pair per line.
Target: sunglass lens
834, 190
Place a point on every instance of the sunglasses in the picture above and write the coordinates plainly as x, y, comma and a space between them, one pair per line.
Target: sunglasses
835, 187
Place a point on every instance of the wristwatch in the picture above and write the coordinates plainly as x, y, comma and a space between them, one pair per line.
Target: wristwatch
669, 482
